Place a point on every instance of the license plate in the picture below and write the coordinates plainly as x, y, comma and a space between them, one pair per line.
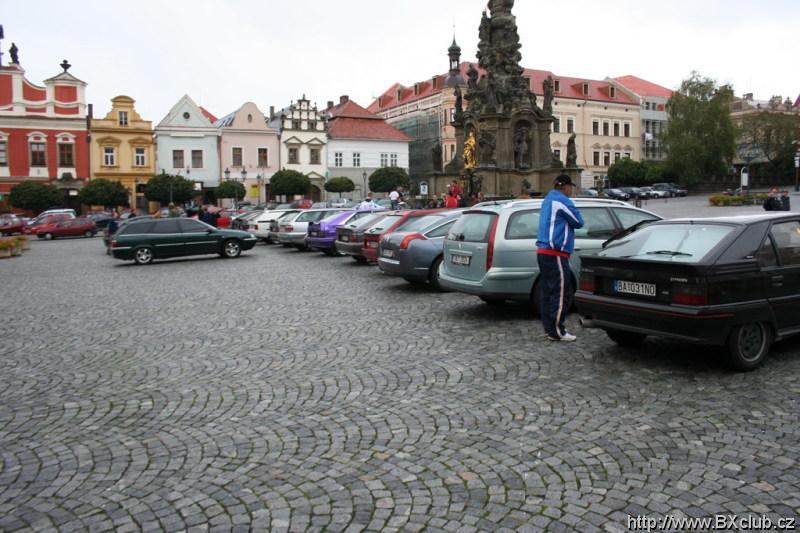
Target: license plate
345, 238
634, 287
314, 234
460, 259
387, 253
372, 244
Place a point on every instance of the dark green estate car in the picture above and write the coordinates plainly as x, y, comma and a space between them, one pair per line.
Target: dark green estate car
148, 239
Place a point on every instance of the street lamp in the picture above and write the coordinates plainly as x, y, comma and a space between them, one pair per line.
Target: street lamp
797, 171
364, 190
260, 183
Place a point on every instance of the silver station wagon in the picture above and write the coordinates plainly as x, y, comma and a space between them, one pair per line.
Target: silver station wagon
491, 251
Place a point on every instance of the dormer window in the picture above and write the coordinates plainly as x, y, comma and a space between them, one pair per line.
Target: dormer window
557, 86
399, 94
416, 89
123, 118
585, 89
612, 92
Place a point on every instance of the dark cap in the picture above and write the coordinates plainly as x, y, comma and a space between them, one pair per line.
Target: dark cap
562, 180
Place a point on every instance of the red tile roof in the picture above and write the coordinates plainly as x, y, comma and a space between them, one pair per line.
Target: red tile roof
348, 120
643, 87
208, 114
570, 88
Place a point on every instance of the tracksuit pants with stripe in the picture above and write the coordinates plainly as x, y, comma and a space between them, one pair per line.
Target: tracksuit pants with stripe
556, 293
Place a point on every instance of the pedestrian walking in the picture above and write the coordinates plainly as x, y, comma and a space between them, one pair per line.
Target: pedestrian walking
773, 202
558, 220
394, 198
367, 203
452, 201
784, 201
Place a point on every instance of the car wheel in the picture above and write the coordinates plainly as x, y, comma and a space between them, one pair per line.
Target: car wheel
231, 248
40, 236
143, 256
49, 236
748, 345
301, 247
360, 259
433, 275
625, 338
88, 234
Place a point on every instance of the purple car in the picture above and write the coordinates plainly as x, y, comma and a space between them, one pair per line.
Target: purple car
322, 234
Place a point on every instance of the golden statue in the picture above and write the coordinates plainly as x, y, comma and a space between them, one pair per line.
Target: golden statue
469, 150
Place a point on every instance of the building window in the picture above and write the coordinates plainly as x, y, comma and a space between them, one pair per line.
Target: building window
197, 159
3, 153
123, 118
177, 159
570, 125
595, 127
626, 130
616, 129
337, 159
617, 155
606, 159
557, 154
295, 124
585, 89
138, 157
66, 155
557, 86
315, 156
293, 156
356, 159
263, 157
384, 160
312, 125
393, 160
596, 159
612, 92
556, 125
452, 115
109, 156
627, 155
605, 128
237, 156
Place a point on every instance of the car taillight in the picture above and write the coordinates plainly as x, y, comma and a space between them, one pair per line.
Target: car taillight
411, 237
490, 249
587, 281
288, 228
114, 243
684, 294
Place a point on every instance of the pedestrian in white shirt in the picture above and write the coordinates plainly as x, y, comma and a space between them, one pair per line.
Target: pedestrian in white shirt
368, 203
394, 197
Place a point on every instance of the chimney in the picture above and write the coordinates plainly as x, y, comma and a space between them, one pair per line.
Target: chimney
330, 104
344, 99
271, 112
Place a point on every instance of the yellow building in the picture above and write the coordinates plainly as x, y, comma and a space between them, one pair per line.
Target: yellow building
122, 147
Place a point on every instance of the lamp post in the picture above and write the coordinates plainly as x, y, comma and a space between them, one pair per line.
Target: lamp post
364, 190
260, 183
244, 180
797, 171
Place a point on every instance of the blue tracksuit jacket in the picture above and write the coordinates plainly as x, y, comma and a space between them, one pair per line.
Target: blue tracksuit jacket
557, 223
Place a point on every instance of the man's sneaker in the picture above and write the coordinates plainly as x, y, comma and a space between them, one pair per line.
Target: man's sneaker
566, 337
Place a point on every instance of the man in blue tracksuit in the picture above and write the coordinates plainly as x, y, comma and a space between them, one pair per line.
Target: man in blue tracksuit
558, 220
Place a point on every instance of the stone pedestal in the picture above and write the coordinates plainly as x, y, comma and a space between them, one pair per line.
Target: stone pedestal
506, 183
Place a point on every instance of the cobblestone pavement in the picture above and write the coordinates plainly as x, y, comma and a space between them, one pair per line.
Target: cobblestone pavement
289, 391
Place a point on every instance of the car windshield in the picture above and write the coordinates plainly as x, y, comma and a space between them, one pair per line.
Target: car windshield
683, 243
385, 223
360, 220
418, 223
332, 215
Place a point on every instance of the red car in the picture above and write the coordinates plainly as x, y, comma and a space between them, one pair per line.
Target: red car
226, 215
66, 228
32, 227
10, 224
406, 221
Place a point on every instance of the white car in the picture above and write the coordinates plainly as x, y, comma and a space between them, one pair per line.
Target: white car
259, 226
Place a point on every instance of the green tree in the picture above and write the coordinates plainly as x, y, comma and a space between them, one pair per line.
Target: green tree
340, 184
231, 189
34, 195
387, 178
627, 173
700, 136
289, 182
104, 192
659, 173
162, 187
773, 135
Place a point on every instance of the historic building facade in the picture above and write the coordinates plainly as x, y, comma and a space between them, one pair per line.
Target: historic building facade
43, 130
304, 137
652, 100
187, 144
122, 148
249, 150
360, 142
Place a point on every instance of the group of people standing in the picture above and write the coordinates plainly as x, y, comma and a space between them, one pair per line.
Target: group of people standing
777, 201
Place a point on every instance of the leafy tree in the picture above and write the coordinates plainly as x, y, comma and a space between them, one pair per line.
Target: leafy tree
289, 182
387, 178
34, 195
659, 173
340, 184
231, 189
773, 135
627, 173
158, 189
104, 192
700, 135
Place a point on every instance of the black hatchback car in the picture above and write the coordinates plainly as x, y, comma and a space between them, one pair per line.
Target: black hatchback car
732, 282
148, 239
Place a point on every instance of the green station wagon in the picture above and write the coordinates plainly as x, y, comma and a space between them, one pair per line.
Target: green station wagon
491, 250
148, 239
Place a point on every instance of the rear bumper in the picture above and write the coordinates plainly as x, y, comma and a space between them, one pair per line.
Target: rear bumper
349, 248
496, 284
321, 243
371, 254
292, 238
702, 325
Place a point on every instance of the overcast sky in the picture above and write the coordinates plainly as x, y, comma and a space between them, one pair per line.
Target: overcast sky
223, 53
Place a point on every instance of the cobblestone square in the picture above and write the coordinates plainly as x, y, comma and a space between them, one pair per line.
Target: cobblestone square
288, 391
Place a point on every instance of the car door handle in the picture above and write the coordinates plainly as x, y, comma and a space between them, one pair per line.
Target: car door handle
777, 281
577, 250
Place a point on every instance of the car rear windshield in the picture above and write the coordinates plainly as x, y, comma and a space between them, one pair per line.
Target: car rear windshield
309, 216
682, 243
385, 223
136, 228
472, 227
418, 223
